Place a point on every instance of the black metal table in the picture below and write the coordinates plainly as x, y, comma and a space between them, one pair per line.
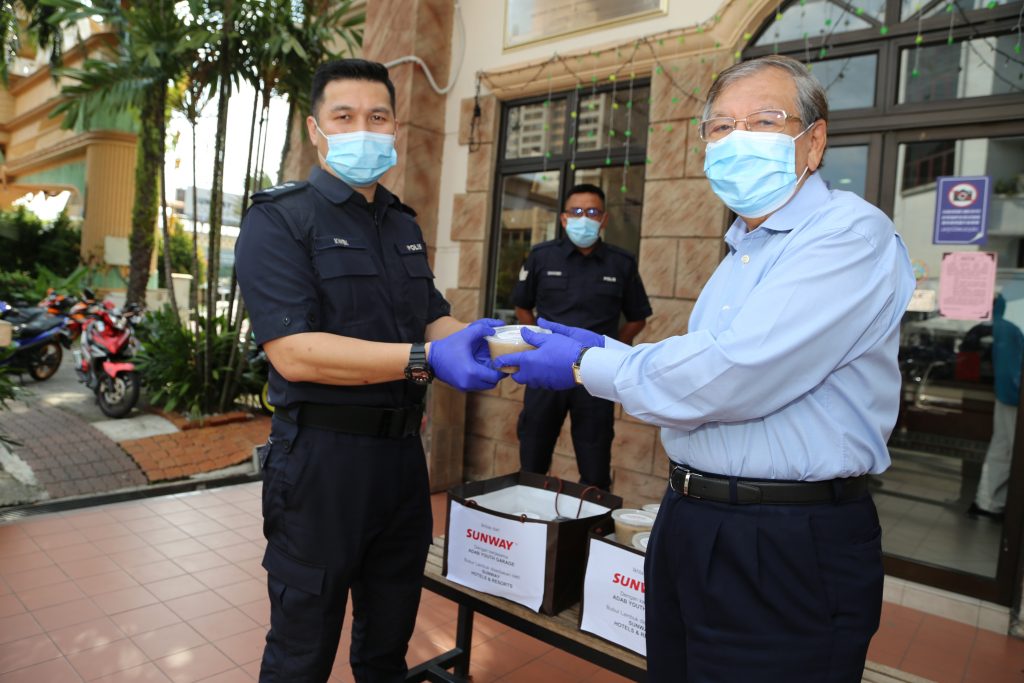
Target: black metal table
561, 630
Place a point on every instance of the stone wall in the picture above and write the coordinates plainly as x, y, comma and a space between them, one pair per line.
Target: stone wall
680, 245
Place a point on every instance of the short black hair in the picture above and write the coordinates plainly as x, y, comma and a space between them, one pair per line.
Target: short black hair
585, 188
348, 69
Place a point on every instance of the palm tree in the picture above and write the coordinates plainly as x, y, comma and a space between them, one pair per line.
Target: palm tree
27, 20
155, 46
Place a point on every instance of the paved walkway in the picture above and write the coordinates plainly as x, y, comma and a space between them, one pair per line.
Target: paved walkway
67, 455
170, 589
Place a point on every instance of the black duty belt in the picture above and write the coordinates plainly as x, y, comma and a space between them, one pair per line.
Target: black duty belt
735, 490
391, 423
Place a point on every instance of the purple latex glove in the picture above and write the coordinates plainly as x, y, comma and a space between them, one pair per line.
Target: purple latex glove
463, 360
549, 366
585, 337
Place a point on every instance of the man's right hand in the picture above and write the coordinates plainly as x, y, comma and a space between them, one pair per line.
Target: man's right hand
462, 359
585, 337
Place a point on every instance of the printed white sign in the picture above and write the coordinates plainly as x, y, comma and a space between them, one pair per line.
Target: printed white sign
499, 556
613, 596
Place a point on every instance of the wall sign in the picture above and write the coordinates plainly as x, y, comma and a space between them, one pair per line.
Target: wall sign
961, 209
531, 21
967, 284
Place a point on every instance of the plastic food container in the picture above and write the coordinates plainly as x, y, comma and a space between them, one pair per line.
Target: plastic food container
640, 541
509, 339
629, 522
651, 508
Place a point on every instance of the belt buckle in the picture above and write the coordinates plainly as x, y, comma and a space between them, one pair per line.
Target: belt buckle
686, 485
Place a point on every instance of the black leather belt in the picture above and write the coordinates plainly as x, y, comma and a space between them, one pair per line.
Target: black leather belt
734, 490
390, 423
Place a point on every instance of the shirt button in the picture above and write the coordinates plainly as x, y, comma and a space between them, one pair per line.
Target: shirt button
745, 258
725, 307
286, 321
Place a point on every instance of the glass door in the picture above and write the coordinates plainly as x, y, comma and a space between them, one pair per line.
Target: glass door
961, 378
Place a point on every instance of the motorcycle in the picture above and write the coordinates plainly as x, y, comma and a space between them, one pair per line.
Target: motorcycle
36, 341
103, 362
75, 310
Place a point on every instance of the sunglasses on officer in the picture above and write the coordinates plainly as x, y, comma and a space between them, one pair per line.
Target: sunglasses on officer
577, 212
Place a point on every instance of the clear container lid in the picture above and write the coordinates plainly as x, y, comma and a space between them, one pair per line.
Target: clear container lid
651, 508
513, 333
633, 517
640, 540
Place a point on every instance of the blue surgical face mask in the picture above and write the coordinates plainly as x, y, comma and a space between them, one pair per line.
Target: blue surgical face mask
582, 231
753, 174
359, 158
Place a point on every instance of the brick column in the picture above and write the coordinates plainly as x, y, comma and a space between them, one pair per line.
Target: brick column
398, 28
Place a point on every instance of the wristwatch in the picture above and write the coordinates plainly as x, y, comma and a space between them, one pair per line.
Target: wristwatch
418, 370
576, 365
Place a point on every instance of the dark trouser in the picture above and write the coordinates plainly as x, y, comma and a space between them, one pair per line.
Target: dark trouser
738, 593
342, 513
593, 428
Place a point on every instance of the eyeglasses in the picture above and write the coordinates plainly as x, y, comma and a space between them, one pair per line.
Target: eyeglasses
577, 212
767, 121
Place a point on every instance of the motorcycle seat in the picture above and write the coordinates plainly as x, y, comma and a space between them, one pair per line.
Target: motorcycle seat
36, 325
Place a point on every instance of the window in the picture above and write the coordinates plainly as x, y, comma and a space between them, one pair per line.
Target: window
588, 135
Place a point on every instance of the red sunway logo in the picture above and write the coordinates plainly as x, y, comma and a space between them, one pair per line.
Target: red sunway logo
623, 580
475, 535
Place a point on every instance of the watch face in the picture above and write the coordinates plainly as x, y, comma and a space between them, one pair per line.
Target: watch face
418, 375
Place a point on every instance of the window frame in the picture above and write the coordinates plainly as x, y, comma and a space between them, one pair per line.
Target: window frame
558, 163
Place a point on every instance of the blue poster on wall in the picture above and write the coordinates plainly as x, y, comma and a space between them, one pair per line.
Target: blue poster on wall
961, 209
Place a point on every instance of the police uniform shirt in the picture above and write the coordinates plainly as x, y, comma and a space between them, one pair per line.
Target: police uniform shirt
317, 257
583, 291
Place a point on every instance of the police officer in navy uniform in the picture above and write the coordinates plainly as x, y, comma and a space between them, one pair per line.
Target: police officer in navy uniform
335, 274
582, 281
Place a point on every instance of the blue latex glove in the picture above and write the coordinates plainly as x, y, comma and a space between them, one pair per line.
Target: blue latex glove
585, 337
463, 360
549, 366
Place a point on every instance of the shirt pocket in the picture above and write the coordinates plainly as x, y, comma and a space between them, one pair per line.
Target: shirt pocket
609, 285
347, 274
419, 281
553, 280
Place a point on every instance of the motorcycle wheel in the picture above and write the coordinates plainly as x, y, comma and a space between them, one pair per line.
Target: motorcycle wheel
117, 396
44, 361
265, 403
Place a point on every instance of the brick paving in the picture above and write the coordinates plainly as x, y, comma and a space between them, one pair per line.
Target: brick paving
68, 455
219, 443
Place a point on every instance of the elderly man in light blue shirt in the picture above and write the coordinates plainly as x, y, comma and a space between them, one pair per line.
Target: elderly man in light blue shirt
765, 561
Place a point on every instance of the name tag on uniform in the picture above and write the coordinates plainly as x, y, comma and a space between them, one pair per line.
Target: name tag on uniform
340, 241
554, 273
415, 247
609, 278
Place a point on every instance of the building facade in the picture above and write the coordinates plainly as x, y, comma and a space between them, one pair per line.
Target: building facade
557, 92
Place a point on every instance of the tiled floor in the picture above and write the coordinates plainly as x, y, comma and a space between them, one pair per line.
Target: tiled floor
171, 589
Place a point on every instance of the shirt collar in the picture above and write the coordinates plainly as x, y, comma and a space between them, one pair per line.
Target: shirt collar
337, 191
812, 195
567, 248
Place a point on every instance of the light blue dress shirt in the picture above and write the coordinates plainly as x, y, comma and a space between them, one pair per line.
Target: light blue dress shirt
789, 367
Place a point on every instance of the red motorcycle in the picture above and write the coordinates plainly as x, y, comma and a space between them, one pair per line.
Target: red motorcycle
104, 362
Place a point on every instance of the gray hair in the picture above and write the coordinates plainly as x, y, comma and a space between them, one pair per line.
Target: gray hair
812, 102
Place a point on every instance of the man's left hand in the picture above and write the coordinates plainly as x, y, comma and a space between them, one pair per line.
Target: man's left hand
549, 366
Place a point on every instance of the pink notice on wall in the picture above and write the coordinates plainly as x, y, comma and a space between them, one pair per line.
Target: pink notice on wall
967, 283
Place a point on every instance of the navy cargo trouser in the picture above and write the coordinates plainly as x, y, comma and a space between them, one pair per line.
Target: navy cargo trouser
342, 513
766, 593
593, 428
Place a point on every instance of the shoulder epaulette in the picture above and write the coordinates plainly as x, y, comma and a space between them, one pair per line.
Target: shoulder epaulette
620, 250
544, 245
277, 191
404, 208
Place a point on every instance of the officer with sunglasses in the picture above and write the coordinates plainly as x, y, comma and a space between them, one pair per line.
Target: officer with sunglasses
582, 281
